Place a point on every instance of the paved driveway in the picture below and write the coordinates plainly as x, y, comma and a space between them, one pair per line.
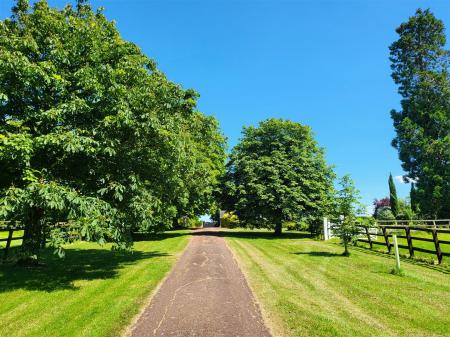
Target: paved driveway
205, 295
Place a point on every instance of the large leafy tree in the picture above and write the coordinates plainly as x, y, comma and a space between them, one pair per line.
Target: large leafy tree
91, 132
420, 68
277, 173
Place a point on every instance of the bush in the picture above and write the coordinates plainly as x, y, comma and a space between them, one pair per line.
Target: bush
385, 213
229, 220
194, 223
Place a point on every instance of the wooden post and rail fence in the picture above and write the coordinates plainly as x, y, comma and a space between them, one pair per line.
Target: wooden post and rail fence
13, 231
9, 227
382, 231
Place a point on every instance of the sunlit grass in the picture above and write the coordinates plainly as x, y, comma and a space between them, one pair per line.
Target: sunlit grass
307, 288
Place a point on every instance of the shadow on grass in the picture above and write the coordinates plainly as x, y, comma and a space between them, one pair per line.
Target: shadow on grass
441, 268
320, 254
248, 234
59, 274
158, 236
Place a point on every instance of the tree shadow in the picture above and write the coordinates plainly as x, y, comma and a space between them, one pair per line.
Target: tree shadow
320, 254
158, 236
248, 234
441, 268
60, 273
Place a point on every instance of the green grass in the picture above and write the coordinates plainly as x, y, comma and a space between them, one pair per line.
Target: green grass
307, 288
4, 235
93, 291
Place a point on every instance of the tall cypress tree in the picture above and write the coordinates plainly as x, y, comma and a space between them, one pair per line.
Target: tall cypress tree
393, 196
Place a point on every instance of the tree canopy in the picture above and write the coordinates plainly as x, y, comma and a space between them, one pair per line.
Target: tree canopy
277, 173
420, 68
91, 132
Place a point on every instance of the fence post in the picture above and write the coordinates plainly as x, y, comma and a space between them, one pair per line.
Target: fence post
326, 235
368, 237
8, 243
436, 245
397, 256
410, 244
386, 239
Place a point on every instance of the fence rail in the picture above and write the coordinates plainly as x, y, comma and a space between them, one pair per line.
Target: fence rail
10, 227
380, 234
383, 229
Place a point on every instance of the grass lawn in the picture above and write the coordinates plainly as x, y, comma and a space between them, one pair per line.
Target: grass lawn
306, 288
93, 291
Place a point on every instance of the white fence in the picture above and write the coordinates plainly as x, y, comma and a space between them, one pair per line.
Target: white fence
328, 230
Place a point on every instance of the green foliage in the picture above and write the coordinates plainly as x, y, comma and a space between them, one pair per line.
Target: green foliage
413, 199
186, 222
405, 211
348, 207
420, 68
277, 173
229, 220
386, 214
393, 196
92, 133
367, 221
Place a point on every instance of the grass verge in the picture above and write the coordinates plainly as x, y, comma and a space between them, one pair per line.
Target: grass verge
307, 288
92, 292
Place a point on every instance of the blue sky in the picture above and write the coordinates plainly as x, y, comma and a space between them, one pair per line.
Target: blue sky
320, 63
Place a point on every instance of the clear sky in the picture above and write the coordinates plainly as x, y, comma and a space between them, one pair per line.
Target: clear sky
320, 63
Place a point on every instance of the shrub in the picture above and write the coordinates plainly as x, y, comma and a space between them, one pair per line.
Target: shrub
229, 220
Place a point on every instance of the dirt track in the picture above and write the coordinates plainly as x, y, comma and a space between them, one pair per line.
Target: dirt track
205, 295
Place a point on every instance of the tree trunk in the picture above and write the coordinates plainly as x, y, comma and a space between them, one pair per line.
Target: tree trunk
346, 252
278, 228
32, 238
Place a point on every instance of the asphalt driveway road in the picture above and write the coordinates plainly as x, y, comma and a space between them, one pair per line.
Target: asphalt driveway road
206, 295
